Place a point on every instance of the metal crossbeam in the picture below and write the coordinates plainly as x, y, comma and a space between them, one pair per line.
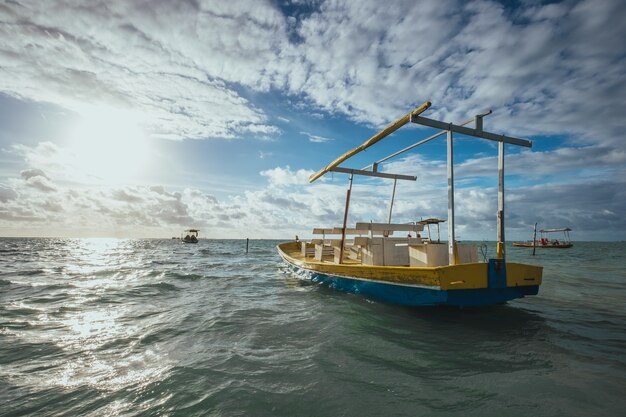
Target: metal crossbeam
373, 174
470, 132
477, 119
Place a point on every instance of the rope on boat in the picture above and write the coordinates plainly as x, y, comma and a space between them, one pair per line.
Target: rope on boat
483, 251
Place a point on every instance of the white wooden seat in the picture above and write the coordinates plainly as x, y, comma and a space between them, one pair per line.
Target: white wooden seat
308, 249
377, 248
323, 250
387, 229
331, 247
436, 254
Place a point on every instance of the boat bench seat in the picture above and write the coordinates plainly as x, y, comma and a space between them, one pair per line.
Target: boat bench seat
322, 250
349, 231
436, 254
308, 249
366, 248
330, 247
388, 251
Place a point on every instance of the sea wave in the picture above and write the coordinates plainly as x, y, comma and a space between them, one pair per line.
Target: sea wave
148, 327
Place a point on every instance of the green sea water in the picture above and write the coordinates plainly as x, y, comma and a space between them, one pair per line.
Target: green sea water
107, 327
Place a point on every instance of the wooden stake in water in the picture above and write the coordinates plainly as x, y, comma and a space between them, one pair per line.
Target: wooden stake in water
247, 241
534, 238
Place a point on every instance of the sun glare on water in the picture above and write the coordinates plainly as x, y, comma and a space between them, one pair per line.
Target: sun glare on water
109, 145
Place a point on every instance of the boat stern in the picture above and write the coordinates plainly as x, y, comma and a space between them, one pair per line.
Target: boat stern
494, 282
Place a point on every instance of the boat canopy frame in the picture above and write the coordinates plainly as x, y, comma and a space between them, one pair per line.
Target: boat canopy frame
565, 231
445, 128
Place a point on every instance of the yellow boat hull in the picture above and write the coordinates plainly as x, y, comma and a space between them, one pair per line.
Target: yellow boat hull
465, 284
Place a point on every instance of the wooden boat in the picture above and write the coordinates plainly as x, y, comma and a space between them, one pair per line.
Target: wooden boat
190, 237
410, 270
545, 242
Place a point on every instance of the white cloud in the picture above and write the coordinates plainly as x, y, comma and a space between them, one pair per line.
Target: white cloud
542, 67
131, 56
316, 138
540, 75
285, 176
288, 205
41, 184
7, 193
30, 173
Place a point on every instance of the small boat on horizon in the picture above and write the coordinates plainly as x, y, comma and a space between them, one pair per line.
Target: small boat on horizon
409, 270
190, 237
545, 242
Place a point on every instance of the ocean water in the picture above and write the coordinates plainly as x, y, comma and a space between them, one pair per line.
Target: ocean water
107, 327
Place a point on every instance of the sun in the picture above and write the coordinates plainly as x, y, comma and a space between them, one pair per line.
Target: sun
109, 145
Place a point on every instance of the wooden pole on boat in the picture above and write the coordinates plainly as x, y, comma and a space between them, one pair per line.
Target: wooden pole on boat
500, 246
534, 238
393, 196
452, 258
377, 137
345, 220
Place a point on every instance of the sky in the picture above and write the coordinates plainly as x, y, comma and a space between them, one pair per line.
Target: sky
144, 118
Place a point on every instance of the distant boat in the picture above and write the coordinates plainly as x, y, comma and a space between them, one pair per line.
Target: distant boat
408, 269
191, 236
545, 242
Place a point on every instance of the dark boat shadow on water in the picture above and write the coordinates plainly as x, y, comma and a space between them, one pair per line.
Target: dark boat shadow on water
503, 337
498, 320
452, 341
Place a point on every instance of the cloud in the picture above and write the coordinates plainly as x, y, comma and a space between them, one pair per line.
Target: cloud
540, 75
30, 173
574, 165
128, 56
540, 65
316, 138
127, 196
286, 176
288, 205
45, 154
7, 193
41, 184
37, 179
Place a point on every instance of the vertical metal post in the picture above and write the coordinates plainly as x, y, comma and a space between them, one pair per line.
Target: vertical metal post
478, 123
393, 196
345, 220
534, 238
500, 226
452, 258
